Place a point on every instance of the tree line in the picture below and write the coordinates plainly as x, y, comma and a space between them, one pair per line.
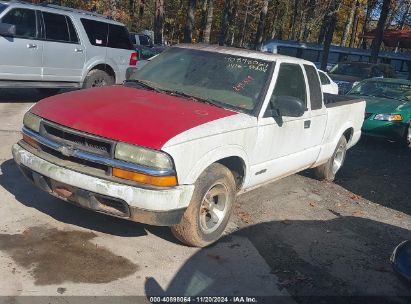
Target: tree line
247, 23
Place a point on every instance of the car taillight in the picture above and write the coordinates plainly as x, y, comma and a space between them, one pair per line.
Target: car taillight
133, 58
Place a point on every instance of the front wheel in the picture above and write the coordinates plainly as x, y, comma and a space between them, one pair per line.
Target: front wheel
208, 213
328, 170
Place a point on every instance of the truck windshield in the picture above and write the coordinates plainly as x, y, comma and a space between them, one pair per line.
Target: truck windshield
384, 89
2, 7
222, 79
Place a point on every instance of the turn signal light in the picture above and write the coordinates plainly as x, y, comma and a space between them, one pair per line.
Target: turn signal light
159, 181
30, 141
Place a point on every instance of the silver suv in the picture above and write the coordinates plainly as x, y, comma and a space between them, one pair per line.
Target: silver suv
51, 47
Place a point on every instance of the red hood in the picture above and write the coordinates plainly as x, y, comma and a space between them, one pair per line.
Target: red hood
139, 117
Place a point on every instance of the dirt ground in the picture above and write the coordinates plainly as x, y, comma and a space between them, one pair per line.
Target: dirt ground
300, 238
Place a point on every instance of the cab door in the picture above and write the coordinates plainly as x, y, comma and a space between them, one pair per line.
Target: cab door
282, 141
21, 55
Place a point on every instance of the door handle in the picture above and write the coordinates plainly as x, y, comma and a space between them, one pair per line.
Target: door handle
32, 46
307, 124
78, 50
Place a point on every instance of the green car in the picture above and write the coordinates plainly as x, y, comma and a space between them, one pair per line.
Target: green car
388, 110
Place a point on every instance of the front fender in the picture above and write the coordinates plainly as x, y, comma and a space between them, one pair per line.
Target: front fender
214, 156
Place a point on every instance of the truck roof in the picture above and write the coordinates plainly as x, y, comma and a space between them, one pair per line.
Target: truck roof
241, 52
43, 6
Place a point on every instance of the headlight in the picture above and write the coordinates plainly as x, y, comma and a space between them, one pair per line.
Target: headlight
32, 121
388, 117
143, 156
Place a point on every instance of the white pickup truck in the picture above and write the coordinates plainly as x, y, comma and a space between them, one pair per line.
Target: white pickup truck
191, 130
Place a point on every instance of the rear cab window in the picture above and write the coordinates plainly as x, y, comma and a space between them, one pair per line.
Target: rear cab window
59, 28
24, 20
324, 78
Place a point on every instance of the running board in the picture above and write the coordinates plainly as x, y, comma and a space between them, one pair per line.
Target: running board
39, 84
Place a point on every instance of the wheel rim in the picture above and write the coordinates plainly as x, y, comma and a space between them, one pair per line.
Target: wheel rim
99, 82
338, 159
214, 208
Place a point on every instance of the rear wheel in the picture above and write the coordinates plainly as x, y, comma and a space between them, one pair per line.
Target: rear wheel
328, 170
97, 78
210, 208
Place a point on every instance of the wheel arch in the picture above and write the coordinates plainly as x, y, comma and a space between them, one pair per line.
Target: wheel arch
233, 157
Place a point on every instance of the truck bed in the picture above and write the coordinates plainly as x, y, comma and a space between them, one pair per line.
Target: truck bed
332, 100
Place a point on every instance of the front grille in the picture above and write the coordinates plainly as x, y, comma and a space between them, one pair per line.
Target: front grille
367, 115
82, 162
78, 140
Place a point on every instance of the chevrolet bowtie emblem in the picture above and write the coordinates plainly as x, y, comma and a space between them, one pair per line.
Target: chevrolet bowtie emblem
66, 151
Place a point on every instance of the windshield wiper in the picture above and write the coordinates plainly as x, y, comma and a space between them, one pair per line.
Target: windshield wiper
143, 84
196, 98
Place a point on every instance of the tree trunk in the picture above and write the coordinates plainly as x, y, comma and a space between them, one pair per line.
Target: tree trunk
370, 6
293, 26
261, 25
159, 22
274, 21
323, 29
354, 26
188, 29
348, 24
247, 8
209, 22
310, 16
330, 28
225, 22
379, 31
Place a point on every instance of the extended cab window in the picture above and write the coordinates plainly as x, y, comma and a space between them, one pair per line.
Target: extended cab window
118, 38
56, 26
24, 20
290, 82
97, 32
316, 96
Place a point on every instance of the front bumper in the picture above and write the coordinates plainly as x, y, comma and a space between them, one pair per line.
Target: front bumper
385, 129
151, 206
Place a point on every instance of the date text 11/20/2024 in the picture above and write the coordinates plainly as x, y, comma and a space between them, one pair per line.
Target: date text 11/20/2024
236, 299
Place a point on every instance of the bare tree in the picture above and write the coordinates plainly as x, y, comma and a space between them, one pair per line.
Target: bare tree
247, 10
329, 32
188, 29
348, 24
370, 6
226, 21
355, 25
379, 31
209, 22
159, 22
261, 26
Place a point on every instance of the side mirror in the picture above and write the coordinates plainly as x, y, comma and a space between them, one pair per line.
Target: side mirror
7, 29
290, 106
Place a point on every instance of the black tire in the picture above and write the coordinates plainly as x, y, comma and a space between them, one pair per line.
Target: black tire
46, 92
97, 78
406, 139
328, 170
192, 229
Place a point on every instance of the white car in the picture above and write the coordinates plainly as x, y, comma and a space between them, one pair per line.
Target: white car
328, 85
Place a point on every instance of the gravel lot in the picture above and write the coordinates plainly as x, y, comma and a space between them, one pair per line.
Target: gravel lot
296, 237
